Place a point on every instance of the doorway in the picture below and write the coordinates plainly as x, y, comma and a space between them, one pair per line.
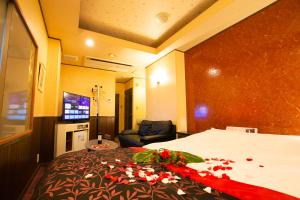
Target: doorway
128, 109
117, 113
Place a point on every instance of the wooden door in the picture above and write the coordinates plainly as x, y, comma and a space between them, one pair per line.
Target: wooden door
128, 109
117, 101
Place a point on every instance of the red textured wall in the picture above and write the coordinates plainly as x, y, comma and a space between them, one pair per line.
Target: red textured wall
258, 82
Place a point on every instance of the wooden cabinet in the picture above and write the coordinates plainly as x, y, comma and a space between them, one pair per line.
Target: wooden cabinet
70, 137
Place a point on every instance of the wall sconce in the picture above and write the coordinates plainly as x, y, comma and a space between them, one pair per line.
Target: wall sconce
158, 77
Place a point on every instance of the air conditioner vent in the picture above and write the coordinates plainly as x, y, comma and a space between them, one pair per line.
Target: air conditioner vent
70, 58
107, 65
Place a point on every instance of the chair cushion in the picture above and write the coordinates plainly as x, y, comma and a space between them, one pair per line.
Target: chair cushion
154, 127
149, 131
161, 127
145, 128
130, 140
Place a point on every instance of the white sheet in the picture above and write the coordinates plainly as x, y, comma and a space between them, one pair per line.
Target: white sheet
279, 154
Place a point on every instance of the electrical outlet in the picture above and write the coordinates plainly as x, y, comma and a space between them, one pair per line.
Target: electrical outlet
37, 158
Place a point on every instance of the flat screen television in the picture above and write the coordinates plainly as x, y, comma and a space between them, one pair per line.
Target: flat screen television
75, 107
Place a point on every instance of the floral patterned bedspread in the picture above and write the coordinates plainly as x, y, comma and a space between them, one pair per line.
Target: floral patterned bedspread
97, 175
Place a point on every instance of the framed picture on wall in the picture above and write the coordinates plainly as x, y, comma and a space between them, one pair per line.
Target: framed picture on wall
41, 77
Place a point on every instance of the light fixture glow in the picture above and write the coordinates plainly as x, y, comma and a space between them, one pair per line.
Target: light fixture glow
213, 72
201, 112
159, 77
112, 55
89, 42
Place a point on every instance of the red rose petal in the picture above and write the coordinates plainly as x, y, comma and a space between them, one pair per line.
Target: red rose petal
225, 176
122, 170
148, 173
249, 159
229, 168
114, 179
216, 168
207, 159
125, 182
152, 182
165, 154
143, 179
108, 176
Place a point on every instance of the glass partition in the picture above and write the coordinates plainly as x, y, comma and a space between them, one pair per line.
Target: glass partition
17, 64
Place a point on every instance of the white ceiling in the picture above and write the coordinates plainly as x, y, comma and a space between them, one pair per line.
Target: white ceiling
136, 21
63, 18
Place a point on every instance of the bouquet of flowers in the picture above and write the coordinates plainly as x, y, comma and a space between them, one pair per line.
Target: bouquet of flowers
166, 156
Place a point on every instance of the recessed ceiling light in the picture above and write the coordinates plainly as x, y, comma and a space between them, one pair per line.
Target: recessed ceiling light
89, 42
162, 17
112, 55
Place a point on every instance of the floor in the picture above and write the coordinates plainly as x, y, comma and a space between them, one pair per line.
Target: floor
37, 177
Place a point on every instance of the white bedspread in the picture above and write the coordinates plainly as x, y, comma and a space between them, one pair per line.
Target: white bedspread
279, 155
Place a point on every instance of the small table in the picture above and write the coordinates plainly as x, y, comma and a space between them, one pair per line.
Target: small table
106, 144
182, 134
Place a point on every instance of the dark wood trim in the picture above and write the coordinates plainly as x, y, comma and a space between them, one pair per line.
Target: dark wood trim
106, 127
17, 164
14, 137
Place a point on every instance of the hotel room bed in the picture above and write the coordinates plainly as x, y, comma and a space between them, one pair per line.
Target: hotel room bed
257, 166
65, 179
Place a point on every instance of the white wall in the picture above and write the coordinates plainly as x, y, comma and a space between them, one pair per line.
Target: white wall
166, 100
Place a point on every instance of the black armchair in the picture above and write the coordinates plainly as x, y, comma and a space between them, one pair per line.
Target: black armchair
149, 132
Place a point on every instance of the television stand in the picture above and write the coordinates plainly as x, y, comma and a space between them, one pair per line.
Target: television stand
70, 137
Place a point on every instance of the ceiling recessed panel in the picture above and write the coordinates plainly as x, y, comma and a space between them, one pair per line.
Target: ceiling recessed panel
139, 21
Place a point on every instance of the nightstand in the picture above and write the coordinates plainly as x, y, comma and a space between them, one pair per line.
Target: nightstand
182, 134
